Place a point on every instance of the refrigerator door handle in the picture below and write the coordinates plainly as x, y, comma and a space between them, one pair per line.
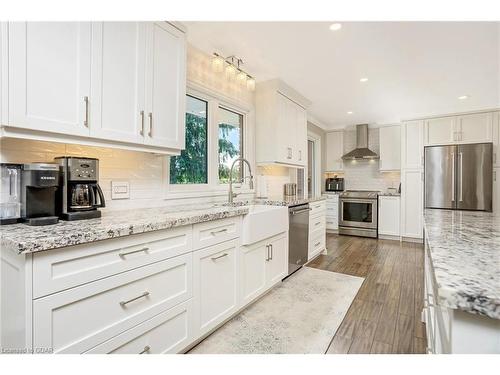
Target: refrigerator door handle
453, 177
460, 161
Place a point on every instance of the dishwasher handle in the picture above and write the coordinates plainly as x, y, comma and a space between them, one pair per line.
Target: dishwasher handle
300, 211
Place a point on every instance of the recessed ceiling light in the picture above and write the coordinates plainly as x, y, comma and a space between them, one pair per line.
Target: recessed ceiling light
349, 112
335, 26
463, 97
363, 79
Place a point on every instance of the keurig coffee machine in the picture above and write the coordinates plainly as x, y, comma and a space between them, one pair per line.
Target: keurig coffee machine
81, 194
40, 184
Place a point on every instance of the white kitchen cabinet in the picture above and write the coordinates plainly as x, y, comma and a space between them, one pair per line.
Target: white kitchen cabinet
166, 333
118, 81
277, 263
4, 66
111, 84
281, 125
389, 215
475, 128
262, 265
332, 212
317, 229
49, 76
412, 198
334, 151
439, 131
496, 190
216, 283
390, 148
253, 260
165, 86
467, 128
412, 144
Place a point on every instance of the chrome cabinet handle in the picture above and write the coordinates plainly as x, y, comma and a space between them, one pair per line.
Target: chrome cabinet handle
317, 244
272, 251
216, 232
267, 255
300, 155
318, 223
289, 156
145, 294
142, 123
145, 350
86, 101
133, 251
220, 256
150, 115
300, 211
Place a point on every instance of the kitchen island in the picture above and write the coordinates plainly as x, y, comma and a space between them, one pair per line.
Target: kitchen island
462, 281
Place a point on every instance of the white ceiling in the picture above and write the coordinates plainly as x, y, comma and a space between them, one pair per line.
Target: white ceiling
414, 68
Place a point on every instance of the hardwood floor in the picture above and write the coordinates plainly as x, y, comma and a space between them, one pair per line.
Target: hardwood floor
385, 315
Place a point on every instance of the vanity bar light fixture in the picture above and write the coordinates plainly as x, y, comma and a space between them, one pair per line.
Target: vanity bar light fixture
231, 65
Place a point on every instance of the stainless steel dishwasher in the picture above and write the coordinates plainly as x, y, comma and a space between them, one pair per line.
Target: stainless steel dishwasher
298, 236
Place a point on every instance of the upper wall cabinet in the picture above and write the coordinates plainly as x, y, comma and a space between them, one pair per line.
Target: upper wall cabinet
469, 128
49, 76
4, 93
281, 126
390, 148
118, 84
334, 151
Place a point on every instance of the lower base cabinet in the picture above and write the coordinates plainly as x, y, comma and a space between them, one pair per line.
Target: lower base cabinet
168, 332
262, 265
215, 285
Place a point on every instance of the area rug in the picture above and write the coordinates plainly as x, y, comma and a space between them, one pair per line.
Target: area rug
301, 315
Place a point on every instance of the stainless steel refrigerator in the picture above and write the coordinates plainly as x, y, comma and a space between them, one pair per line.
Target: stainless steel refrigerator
459, 177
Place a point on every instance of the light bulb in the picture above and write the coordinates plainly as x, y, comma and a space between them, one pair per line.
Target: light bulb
218, 63
251, 83
230, 71
242, 77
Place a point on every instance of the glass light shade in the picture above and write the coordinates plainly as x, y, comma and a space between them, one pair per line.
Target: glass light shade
230, 71
251, 84
242, 77
218, 64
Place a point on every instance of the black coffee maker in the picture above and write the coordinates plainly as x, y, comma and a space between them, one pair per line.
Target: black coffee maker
81, 195
39, 192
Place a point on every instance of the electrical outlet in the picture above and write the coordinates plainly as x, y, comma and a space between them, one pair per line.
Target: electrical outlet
120, 190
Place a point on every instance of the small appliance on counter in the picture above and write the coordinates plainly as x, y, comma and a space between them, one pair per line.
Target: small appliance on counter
39, 189
334, 184
10, 193
81, 195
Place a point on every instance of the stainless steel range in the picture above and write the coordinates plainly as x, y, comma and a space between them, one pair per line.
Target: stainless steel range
358, 213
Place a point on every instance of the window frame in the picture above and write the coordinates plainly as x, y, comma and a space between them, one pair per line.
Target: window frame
213, 187
242, 142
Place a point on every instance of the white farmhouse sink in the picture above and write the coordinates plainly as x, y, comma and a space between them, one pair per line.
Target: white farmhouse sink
263, 222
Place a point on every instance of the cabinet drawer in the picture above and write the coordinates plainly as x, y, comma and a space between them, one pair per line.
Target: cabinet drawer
68, 267
317, 208
167, 332
215, 285
332, 223
80, 318
317, 244
317, 225
217, 231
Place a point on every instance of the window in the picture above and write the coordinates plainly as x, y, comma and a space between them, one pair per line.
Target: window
230, 130
191, 166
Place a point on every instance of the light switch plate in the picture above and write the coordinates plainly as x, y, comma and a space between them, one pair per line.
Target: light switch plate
120, 190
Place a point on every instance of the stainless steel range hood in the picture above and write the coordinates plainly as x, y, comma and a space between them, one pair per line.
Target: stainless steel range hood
361, 151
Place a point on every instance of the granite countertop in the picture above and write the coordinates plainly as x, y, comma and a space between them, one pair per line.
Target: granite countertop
22, 238
286, 201
464, 248
386, 194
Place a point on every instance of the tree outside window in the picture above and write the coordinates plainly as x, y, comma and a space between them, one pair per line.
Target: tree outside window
190, 167
230, 144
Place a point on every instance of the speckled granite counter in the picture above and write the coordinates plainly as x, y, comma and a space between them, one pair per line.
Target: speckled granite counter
465, 252
26, 239
292, 201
